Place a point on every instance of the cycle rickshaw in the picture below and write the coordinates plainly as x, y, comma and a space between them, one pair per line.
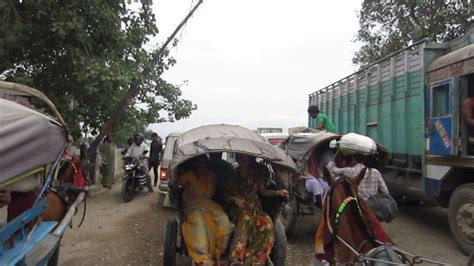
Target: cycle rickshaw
229, 140
34, 140
311, 151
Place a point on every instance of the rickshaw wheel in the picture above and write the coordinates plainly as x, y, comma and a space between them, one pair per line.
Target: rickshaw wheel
128, 191
278, 255
171, 233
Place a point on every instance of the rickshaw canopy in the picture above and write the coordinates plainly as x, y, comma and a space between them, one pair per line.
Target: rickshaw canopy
29, 138
227, 138
300, 145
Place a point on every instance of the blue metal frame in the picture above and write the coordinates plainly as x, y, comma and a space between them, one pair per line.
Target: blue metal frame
19, 229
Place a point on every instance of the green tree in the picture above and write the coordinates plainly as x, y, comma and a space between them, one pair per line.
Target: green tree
85, 54
388, 26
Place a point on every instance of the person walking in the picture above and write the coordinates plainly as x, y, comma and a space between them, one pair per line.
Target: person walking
108, 165
322, 121
155, 151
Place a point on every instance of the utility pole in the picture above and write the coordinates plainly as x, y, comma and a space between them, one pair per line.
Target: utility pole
132, 93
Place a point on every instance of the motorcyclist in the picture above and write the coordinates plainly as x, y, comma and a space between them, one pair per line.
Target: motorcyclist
137, 150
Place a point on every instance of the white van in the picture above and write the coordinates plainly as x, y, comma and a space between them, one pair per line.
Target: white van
275, 138
165, 166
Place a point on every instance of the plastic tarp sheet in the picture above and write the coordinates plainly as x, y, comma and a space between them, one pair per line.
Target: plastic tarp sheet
299, 145
227, 138
28, 139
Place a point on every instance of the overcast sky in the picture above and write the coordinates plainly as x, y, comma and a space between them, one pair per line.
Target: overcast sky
254, 62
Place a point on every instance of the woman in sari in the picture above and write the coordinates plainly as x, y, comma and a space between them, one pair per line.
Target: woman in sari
206, 228
254, 236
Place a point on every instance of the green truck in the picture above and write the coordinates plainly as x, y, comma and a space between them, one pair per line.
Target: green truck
410, 102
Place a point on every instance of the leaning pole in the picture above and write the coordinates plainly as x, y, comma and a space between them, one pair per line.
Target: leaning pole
131, 93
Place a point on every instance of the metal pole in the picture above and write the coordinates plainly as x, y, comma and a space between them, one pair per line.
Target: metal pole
134, 90
59, 231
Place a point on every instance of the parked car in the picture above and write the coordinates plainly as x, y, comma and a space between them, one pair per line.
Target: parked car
275, 138
165, 166
261, 130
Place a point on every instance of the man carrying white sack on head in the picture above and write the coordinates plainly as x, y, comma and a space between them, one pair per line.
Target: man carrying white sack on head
372, 188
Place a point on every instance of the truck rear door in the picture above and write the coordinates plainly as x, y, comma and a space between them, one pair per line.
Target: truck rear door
442, 126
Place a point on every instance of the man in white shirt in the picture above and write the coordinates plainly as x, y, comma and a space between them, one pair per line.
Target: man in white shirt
137, 150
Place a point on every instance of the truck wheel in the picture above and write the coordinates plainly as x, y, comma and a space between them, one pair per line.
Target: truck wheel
289, 215
278, 255
128, 192
461, 217
171, 233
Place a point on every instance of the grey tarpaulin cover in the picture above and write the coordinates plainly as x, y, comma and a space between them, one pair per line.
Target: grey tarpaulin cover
298, 146
28, 139
227, 138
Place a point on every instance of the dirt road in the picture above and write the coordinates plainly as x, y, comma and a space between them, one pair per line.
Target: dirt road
118, 233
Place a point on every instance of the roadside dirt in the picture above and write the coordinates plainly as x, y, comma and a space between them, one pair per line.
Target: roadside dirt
118, 233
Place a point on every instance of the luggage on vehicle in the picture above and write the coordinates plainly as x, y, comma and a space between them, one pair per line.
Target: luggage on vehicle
353, 143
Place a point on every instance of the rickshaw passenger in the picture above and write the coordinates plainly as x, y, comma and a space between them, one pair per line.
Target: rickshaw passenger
254, 235
5, 197
316, 187
206, 227
225, 173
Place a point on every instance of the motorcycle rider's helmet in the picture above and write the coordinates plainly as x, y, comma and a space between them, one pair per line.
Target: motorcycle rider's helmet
138, 138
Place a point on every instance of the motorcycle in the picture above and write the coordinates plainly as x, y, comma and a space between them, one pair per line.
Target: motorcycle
134, 179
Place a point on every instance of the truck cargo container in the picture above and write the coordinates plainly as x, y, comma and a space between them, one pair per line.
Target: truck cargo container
410, 102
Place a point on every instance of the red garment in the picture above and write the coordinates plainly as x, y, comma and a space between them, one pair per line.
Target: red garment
20, 202
313, 168
79, 178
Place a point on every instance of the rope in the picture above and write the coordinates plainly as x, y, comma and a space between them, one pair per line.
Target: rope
84, 213
417, 259
362, 258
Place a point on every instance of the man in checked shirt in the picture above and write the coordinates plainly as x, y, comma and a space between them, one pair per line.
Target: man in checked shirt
371, 184
372, 187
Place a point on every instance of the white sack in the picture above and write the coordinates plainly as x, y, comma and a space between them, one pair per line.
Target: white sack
353, 143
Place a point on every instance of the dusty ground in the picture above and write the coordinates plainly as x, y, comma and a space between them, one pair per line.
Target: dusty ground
118, 233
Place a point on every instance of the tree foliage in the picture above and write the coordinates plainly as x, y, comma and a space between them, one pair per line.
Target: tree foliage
388, 26
85, 54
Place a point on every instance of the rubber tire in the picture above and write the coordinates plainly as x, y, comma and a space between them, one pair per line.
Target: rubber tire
127, 194
170, 239
289, 216
278, 255
54, 260
462, 194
